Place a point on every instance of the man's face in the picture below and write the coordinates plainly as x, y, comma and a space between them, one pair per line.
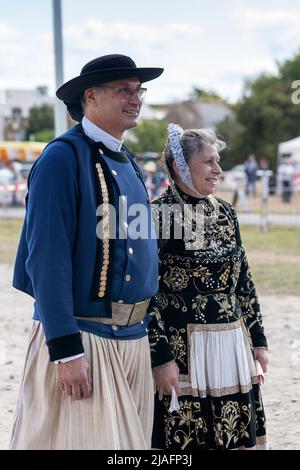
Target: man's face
114, 106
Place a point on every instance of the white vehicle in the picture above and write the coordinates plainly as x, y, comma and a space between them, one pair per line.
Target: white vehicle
12, 189
232, 179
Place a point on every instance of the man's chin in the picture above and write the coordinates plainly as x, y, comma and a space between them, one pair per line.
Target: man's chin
132, 124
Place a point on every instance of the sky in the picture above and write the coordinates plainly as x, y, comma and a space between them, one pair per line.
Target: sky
213, 44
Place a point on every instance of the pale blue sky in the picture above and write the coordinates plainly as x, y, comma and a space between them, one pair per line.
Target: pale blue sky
214, 44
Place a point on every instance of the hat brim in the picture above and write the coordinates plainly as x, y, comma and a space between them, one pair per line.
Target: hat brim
71, 91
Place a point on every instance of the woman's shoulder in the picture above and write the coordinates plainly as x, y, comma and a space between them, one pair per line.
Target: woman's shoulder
166, 197
226, 205
228, 209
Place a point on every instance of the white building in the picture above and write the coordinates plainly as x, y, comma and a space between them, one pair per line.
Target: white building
14, 109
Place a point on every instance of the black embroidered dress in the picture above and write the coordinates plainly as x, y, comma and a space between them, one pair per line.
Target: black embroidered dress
209, 310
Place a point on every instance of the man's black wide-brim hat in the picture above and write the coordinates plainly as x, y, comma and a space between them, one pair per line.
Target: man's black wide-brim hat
103, 69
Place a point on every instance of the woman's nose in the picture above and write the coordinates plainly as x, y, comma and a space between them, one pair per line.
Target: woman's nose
217, 169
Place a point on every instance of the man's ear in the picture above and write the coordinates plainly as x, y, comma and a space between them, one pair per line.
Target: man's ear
89, 95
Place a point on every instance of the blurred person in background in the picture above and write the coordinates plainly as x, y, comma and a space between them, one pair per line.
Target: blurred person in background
285, 174
150, 178
251, 167
296, 185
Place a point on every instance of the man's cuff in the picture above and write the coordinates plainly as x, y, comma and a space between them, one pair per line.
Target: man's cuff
68, 359
65, 346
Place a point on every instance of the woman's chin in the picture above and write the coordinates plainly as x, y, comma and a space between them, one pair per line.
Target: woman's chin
210, 190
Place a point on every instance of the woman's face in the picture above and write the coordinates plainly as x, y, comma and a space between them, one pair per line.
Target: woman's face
205, 170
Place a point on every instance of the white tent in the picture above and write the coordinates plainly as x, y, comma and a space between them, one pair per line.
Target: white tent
290, 149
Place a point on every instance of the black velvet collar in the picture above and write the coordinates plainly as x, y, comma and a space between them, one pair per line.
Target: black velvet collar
118, 156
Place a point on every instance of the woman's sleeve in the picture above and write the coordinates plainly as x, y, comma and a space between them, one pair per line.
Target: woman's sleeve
161, 352
246, 294
160, 349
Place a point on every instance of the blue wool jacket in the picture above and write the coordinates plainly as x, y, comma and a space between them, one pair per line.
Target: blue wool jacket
59, 258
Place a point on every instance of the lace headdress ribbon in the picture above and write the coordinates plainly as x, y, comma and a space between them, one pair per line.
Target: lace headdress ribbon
174, 134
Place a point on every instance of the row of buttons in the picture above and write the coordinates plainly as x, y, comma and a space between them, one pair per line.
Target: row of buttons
130, 250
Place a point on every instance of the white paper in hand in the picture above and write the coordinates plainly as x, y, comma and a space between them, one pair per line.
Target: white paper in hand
259, 372
174, 405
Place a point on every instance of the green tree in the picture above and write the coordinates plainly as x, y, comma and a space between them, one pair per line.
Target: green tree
149, 136
231, 131
267, 114
207, 96
44, 136
40, 118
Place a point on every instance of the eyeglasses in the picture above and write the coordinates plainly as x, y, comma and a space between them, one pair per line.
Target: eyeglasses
125, 92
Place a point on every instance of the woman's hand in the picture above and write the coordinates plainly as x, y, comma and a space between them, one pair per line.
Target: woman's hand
261, 356
166, 377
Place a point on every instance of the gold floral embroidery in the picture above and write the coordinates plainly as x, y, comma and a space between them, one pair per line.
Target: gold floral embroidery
188, 422
203, 273
177, 344
232, 424
225, 274
162, 300
177, 301
199, 304
227, 306
175, 278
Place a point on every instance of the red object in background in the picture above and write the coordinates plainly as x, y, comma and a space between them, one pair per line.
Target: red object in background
12, 189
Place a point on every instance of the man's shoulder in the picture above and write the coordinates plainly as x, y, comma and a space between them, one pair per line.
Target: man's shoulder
56, 151
61, 147
57, 158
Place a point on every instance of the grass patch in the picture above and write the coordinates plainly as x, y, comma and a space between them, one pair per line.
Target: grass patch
274, 256
10, 231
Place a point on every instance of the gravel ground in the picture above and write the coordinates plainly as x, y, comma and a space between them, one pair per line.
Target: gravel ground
280, 392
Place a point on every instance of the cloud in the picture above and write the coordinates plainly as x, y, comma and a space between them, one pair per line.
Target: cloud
30, 59
8, 32
282, 25
94, 34
265, 19
218, 57
149, 45
274, 31
26, 60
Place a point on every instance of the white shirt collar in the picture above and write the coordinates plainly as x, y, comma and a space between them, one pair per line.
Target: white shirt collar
99, 135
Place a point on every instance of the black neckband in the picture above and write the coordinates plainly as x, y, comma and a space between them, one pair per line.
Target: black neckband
118, 156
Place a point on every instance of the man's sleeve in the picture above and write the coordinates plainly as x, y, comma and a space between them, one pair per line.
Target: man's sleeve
51, 232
